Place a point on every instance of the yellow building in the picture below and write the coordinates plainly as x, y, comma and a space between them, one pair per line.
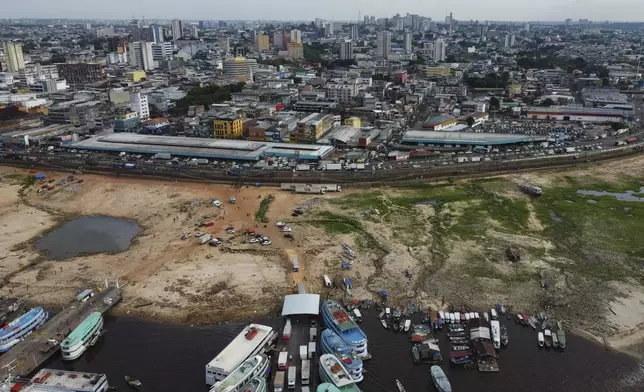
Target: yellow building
261, 42
295, 50
353, 121
135, 76
228, 127
311, 128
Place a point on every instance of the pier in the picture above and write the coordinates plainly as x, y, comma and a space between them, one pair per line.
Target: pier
27, 356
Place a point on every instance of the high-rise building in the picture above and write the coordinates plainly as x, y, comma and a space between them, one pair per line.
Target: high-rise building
224, 43
262, 42
354, 33
509, 40
177, 29
13, 56
407, 42
296, 36
366, 19
439, 50
295, 50
194, 31
157, 34
141, 55
384, 43
162, 51
139, 104
568, 21
80, 73
328, 29
278, 40
240, 68
201, 25
346, 50
372, 20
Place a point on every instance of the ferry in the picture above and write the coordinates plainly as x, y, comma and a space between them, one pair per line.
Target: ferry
255, 366
331, 343
257, 384
333, 372
64, 380
252, 340
12, 333
337, 319
85, 335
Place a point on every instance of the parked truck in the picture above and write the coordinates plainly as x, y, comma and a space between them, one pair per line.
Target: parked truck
202, 161
204, 238
306, 371
313, 334
286, 333
282, 360
304, 354
302, 167
311, 350
279, 382
292, 376
569, 149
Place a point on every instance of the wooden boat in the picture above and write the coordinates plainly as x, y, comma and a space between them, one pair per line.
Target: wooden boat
460, 348
134, 383
400, 387
382, 313
440, 379
540, 339
555, 340
504, 336
519, 319
384, 324
548, 337
396, 327
463, 317
532, 322
441, 315
415, 354
561, 336
407, 325
486, 316
525, 319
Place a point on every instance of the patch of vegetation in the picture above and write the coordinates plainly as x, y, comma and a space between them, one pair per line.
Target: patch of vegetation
28, 181
260, 215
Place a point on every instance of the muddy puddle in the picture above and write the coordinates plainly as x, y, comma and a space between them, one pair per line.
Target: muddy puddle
87, 235
623, 196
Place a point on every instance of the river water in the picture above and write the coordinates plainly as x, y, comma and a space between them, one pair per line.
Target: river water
171, 358
90, 234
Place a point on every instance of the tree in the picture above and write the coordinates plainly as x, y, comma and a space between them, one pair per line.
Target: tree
547, 102
494, 103
605, 82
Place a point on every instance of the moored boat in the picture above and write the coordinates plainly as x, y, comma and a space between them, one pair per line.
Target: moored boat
12, 333
555, 340
384, 324
415, 354
440, 379
540, 339
496, 333
519, 319
407, 325
133, 382
548, 337
333, 371
331, 343
255, 366
525, 318
337, 319
532, 322
561, 336
504, 336
83, 336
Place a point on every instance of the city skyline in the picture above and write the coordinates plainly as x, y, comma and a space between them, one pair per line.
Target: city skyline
506, 10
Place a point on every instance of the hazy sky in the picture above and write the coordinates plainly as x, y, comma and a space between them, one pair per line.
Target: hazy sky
618, 10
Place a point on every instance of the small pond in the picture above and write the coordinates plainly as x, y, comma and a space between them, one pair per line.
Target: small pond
90, 234
623, 196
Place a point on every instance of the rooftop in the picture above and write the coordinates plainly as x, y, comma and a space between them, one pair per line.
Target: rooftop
475, 138
48, 379
239, 349
301, 304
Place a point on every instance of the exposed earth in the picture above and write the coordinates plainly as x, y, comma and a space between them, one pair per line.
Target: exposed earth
441, 245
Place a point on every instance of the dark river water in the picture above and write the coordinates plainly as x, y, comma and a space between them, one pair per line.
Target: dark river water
171, 358
90, 234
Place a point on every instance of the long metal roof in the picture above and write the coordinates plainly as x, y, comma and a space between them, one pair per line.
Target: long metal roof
301, 304
472, 138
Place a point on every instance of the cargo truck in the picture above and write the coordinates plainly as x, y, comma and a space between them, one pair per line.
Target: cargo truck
302, 167
304, 353
311, 350
306, 371
279, 382
569, 149
313, 334
286, 333
282, 360
202, 161
204, 238
333, 166
292, 376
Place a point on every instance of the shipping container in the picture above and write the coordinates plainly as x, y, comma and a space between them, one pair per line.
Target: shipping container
333, 166
306, 371
292, 376
279, 382
282, 360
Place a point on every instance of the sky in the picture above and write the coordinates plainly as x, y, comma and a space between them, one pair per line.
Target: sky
547, 10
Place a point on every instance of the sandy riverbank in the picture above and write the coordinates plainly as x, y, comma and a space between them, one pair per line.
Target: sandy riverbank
450, 253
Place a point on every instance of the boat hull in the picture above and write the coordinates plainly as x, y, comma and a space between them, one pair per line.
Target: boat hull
40, 317
74, 352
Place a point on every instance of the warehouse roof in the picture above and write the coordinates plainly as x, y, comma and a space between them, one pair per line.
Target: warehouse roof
301, 304
201, 147
475, 138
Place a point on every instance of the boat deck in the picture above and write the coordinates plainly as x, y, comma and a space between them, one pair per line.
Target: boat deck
27, 356
77, 381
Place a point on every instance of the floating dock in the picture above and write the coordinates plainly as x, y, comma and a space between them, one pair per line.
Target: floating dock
27, 356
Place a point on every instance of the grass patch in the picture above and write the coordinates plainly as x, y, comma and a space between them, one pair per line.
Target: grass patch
260, 215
